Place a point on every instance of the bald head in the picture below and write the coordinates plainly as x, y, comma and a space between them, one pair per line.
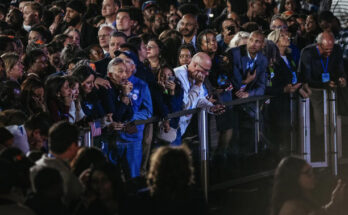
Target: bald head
200, 63
187, 26
325, 43
202, 57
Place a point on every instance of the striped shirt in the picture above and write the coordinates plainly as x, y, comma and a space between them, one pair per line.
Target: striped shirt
340, 9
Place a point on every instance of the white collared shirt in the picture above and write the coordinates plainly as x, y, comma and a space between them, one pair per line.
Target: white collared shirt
194, 96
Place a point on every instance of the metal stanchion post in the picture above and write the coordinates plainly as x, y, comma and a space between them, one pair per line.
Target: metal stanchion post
333, 133
88, 139
204, 150
257, 126
305, 129
292, 124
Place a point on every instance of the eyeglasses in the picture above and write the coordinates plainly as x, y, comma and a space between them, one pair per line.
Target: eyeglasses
280, 27
151, 47
205, 70
103, 35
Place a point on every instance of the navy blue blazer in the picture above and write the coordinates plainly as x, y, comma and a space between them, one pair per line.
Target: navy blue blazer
240, 60
112, 104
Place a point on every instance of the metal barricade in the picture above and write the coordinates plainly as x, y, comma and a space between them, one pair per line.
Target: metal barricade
333, 132
203, 123
329, 126
304, 129
86, 137
293, 123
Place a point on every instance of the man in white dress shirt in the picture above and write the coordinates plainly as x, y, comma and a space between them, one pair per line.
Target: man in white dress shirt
195, 94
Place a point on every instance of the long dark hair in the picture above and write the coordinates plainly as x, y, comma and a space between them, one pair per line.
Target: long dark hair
286, 186
160, 54
282, 6
28, 88
81, 73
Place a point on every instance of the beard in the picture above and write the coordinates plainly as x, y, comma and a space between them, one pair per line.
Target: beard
74, 21
187, 33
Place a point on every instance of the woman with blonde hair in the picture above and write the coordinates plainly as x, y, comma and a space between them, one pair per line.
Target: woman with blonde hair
13, 66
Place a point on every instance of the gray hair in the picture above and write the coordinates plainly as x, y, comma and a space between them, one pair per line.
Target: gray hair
320, 37
111, 28
114, 62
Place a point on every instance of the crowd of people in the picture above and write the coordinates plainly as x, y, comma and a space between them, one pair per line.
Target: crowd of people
108, 64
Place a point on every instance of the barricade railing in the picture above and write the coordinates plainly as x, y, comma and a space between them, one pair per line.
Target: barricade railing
203, 134
304, 131
329, 126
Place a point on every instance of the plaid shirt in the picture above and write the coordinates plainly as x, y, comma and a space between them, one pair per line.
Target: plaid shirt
343, 42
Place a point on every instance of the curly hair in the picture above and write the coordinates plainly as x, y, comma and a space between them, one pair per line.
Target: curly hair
286, 182
171, 172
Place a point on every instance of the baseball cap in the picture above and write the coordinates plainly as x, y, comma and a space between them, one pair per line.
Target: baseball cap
148, 4
129, 54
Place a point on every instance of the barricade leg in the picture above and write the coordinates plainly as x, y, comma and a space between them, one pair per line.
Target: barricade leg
203, 125
293, 134
305, 139
333, 133
257, 126
88, 139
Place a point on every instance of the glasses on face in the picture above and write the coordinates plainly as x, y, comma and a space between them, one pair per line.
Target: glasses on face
280, 27
150, 47
206, 71
103, 35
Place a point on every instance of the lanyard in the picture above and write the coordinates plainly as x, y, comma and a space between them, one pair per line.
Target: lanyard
322, 62
293, 73
251, 62
287, 64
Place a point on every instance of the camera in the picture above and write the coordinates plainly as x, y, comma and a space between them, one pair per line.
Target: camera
231, 30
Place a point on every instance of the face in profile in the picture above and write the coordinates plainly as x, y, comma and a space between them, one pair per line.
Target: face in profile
88, 84
306, 179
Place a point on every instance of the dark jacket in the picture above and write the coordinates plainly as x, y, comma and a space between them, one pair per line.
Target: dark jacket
112, 104
240, 60
91, 106
310, 67
101, 66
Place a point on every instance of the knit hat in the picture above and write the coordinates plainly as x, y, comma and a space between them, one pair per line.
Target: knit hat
77, 5
274, 36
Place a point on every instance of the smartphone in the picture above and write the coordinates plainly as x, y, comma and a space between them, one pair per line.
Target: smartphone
171, 78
